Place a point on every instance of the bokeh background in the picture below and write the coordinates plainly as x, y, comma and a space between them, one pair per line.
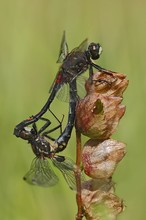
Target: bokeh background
30, 35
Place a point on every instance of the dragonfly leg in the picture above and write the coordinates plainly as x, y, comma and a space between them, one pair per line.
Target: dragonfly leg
101, 69
45, 134
49, 137
90, 72
60, 122
34, 126
46, 125
51, 130
102, 81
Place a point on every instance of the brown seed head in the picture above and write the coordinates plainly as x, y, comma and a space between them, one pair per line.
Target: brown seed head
100, 159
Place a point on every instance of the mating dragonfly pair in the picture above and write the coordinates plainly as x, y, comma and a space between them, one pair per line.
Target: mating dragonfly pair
73, 65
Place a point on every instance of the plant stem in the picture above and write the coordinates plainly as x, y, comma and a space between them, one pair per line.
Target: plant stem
79, 215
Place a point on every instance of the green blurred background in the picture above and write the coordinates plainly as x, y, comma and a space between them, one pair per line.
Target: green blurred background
31, 32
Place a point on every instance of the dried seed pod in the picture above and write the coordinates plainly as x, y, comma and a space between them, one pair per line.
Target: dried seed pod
98, 200
103, 83
106, 185
97, 116
100, 159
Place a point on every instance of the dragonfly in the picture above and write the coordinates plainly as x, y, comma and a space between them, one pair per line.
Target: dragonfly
73, 65
41, 172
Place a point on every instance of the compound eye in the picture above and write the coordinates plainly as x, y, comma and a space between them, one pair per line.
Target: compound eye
94, 50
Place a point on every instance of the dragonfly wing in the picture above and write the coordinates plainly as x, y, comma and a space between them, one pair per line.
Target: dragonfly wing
67, 167
82, 47
63, 93
41, 174
54, 85
63, 49
81, 86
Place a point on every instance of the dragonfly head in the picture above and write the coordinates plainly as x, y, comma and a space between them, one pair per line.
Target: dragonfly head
94, 50
26, 133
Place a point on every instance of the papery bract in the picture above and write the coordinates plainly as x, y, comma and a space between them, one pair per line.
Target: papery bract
103, 83
100, 159
98, 200
98, 114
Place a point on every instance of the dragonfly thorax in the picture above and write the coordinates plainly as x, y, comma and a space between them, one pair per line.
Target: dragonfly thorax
40, 146
75, 64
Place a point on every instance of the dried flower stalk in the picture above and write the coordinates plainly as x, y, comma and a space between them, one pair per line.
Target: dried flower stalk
97, 116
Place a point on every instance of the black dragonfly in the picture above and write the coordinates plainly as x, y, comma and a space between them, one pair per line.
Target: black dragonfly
41, 172
73, 65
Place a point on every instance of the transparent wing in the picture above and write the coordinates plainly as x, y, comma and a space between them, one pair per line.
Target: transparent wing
82, 47
81, 91
62, 55
41, 174
63, 92
57, 87
67, 167
63, 49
